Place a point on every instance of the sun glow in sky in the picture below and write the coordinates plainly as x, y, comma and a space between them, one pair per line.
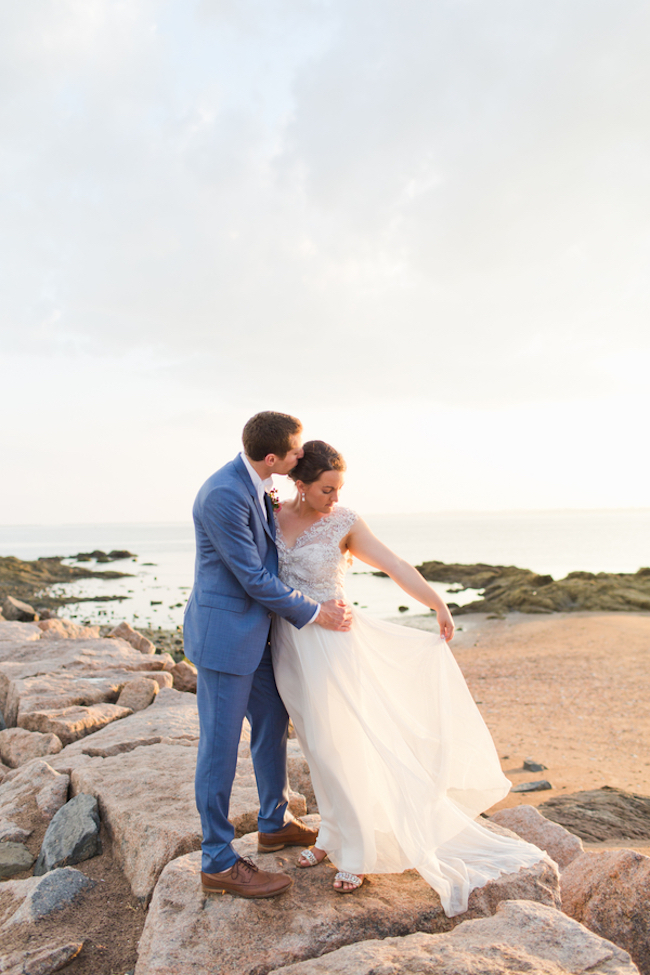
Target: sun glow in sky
422, 228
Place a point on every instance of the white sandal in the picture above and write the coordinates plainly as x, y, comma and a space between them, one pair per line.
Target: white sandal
310, 857
348, 878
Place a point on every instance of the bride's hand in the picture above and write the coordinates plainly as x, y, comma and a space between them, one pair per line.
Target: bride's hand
446, 623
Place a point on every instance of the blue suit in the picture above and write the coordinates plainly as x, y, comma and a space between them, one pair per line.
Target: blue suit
226, 635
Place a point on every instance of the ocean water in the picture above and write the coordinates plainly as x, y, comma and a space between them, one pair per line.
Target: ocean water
554, 542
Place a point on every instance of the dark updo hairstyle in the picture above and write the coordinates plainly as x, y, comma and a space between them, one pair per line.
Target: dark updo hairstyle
318, 458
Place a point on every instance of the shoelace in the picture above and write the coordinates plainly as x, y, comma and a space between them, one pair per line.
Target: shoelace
241, 863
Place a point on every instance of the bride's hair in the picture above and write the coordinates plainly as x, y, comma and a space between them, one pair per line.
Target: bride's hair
318, 458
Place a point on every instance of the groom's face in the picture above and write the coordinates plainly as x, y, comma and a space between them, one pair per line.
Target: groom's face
291, 457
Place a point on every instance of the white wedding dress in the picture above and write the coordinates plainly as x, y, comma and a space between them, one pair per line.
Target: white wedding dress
400, 758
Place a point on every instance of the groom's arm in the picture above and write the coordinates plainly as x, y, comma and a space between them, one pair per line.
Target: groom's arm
225, 518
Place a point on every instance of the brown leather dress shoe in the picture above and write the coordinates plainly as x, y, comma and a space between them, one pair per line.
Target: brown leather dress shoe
244, 879
294, 833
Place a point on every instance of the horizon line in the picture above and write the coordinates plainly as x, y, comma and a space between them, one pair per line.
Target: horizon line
370, 514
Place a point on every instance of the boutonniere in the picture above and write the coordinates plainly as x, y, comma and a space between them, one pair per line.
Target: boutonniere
274, 499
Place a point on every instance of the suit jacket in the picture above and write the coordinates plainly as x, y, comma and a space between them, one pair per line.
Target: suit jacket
236, 586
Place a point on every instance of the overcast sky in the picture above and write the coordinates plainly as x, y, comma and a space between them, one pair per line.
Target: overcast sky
422, 227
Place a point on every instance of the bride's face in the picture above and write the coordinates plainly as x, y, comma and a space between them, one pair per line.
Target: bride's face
323, 494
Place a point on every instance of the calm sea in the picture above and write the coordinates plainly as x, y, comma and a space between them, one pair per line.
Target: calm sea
555, 542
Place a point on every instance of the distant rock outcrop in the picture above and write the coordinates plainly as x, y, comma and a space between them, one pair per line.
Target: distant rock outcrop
506, 588
29, 581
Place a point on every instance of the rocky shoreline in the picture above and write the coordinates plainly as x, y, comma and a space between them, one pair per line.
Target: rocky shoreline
502, 589
99, 841
31, 582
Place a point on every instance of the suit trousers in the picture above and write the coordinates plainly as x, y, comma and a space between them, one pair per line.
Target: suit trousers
223, 701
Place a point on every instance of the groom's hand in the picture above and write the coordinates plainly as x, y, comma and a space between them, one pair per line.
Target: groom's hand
334, 615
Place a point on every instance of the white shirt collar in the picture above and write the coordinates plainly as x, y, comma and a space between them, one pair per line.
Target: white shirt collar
258, 483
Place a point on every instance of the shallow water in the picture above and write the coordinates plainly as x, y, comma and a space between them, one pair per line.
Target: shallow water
554, 542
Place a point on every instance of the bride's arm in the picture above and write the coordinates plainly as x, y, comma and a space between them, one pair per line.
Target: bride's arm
365, 546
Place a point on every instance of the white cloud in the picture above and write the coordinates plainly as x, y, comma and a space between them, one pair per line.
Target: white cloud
340, 207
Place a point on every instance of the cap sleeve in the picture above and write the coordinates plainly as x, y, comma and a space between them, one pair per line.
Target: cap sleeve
345, 519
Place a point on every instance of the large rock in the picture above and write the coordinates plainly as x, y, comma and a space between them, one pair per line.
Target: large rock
146, 799
172, 715
126, 632
72, 836
18, 746
163, 678
32, 900
14, 609
609, 891
35, 938
48, 674
45, 655
138, 694
62, 629
18, 632
520, 937
526, 821
184, 675
70, 724
54, 691
29, 797
64, 689
51, 674
599, 815
14, 858
186, 929
50, 957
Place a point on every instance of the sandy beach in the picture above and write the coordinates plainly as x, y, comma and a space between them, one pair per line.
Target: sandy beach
571, 690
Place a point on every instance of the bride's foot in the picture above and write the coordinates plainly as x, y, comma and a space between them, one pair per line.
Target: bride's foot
311, 857
345, 883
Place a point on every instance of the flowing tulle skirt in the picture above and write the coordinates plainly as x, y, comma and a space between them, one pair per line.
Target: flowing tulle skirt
401, 760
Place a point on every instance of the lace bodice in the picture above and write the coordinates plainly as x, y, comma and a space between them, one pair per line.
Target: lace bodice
315, 565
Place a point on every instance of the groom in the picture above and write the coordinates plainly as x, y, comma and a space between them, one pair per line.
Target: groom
227, 636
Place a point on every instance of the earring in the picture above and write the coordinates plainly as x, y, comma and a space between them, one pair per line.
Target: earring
303, 495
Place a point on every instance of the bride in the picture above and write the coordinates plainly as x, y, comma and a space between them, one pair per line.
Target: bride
401, 760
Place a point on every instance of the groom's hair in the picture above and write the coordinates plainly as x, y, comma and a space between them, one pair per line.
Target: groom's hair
270, 433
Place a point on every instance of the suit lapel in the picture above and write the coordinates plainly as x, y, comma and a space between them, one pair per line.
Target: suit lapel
250, 487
